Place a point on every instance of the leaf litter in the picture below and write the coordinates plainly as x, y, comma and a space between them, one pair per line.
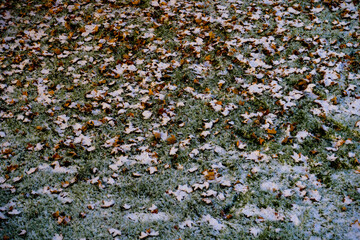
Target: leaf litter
179, 119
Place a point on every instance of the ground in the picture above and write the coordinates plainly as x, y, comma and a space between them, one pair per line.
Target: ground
179, 119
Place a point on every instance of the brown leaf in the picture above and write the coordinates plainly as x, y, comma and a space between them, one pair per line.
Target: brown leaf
70, 35
67, 26
64, 220
171, 139
57, 51
56, 214
11, 168
157, 135
56, 156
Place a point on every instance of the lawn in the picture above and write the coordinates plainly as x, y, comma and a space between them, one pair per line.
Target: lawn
179, 119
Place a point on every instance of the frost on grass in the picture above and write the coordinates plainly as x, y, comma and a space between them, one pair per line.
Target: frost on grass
179, 119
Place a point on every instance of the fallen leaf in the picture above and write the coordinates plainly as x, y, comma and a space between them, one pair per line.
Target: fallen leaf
22, 232
211, 35
58, 237
147, 114
152, 170
107, 204
114, 232
171, 139
271, 131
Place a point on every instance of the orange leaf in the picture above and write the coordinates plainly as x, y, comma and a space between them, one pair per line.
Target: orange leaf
70, 35
56, 214
211, 35
57, 51
157, 135
271, 131
334, 100
171, 139
65, 184
209, 174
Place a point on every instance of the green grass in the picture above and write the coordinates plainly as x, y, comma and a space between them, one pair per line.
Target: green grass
122, 27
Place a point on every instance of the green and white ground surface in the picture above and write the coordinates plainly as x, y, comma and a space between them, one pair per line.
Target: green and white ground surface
179, 119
